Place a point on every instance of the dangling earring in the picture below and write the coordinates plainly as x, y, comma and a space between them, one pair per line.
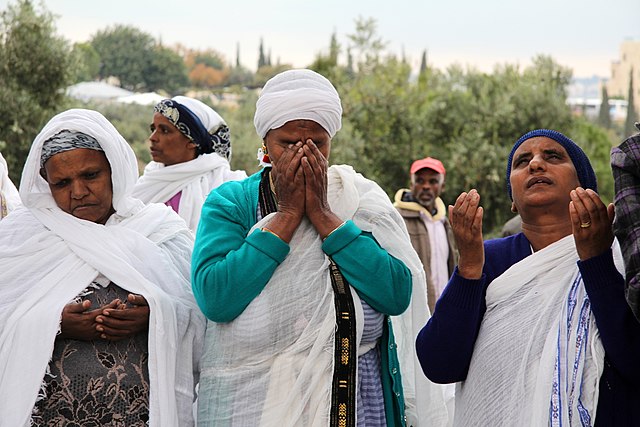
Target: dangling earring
263, 156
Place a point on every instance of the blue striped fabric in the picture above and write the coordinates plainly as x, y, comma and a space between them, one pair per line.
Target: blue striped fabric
370, 400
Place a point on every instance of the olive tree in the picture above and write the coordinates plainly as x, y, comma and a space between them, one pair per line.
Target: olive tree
35, 67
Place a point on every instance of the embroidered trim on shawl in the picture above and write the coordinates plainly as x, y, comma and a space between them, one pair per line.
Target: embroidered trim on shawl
343, 388
568, 368
265, 198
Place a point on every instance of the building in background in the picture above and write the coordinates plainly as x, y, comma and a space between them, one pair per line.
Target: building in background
590, 108
618, 84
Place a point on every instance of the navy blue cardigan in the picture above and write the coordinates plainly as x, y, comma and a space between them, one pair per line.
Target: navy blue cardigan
445, 344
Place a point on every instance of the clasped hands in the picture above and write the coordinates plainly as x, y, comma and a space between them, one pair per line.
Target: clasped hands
114, 321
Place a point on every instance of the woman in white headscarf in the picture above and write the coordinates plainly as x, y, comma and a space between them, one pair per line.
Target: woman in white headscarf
98, 325
191, 150
299, 268
9, 197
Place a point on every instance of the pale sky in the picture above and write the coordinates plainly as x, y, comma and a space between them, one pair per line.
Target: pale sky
582, 34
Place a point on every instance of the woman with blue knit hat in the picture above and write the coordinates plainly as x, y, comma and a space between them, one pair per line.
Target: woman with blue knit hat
535, 326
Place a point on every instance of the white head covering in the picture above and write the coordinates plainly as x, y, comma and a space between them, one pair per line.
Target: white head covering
209, 118
47, 257
8, 190
298, 95
34, 190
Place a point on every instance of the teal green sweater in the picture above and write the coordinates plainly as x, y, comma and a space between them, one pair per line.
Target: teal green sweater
231, 267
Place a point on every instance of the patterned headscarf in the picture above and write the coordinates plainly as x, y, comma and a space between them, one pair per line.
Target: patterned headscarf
584, 170
217, 140
67, 140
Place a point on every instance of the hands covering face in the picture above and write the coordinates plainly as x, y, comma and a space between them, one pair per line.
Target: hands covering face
300, 179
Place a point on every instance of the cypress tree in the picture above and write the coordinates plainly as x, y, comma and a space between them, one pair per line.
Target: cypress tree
423, 75
604, 116
423, 62
261, 58
334, 50
629, 128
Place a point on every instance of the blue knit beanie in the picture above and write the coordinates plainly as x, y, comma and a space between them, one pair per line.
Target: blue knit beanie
586, 175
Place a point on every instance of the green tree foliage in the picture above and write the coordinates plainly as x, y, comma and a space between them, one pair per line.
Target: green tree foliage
239, 76
137, 60
265, 72
166, 70
262, 61
596, 143
244, 139
206, 68
632, 115
210, 58
464, 117
334, 48
604, 115
87, 62
125, 52
423, 62
327, 64
34, 69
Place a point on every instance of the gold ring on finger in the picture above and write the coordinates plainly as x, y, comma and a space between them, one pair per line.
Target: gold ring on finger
585, 224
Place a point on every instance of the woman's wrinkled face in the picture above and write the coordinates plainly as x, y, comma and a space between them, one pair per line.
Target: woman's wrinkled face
168, 145
80, 182
277, 140
542, 173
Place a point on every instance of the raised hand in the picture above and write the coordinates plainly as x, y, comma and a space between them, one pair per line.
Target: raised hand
124, 321
591, 223
465, 217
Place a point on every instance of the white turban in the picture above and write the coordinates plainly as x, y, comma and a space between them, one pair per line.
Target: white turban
298, 95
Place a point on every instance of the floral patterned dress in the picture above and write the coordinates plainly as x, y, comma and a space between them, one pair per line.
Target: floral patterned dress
96, 383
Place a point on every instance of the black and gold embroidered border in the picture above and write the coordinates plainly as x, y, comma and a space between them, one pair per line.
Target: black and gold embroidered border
343, 393
343, 388
265, 197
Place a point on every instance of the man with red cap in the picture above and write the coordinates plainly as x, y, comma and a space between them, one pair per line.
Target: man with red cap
424, 213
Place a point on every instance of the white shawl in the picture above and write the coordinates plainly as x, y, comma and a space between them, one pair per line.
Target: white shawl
8, 190
273, 364
538, 356
195, 178
48, 256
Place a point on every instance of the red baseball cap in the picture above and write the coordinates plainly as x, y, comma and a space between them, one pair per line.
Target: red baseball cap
429, 163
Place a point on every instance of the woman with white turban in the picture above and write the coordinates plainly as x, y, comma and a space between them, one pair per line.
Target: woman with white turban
98, 325
299, 267
191, 149
9, 197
